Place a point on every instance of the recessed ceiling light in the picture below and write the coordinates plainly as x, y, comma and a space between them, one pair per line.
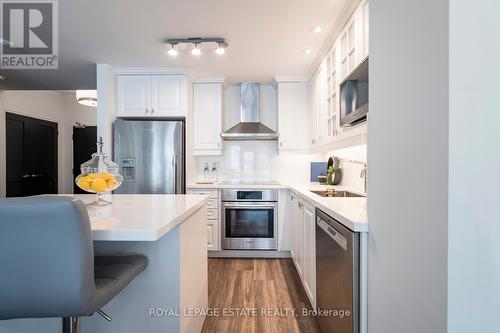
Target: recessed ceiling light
172, 51
195, 50
307, 51
317, 29
3, 77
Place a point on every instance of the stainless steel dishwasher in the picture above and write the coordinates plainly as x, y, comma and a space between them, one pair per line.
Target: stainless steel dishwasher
337, 275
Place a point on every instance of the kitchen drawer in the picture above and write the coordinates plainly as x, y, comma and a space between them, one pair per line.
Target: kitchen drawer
214, 194
212, 214
213, 203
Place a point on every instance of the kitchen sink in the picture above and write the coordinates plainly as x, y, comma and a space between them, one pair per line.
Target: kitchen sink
337, 194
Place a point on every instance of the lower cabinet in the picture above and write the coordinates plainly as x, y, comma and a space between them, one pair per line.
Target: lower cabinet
212, 217
303, 243
309, 270
212, 242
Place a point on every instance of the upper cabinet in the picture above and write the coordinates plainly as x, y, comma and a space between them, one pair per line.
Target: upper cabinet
364, 29
292, 116
133, 95
168, 95
151, 95
348, 48
346, 53
207, 106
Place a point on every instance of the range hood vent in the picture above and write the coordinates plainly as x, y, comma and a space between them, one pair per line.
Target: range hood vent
250, 128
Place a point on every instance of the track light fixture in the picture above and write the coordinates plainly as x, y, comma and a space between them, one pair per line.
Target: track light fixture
172, 51
195, 45
195, 50
220, 50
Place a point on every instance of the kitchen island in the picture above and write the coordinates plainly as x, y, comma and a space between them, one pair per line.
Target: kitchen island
170, 230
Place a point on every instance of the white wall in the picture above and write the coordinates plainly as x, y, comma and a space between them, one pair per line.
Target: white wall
474, 221
408, 166
54, 106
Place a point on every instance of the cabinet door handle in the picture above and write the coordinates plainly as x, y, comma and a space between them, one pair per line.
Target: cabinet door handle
152, 110
281, 144
218, 144
147, 111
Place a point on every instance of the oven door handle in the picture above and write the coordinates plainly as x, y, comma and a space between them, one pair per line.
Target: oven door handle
247, 206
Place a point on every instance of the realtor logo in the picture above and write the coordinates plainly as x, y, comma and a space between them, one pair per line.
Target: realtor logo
29, 34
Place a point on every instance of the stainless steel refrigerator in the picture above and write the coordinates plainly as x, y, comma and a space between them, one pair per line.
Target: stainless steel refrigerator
151, 156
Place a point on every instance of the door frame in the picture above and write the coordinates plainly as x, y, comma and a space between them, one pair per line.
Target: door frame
71, 172
3, 147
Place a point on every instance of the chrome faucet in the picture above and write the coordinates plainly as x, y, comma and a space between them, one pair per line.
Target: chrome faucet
364, 175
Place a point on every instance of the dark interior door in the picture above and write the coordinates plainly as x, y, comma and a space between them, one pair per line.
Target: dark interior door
31, 156
84, 145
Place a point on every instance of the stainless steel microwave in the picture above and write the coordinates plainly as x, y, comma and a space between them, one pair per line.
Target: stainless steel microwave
354, 96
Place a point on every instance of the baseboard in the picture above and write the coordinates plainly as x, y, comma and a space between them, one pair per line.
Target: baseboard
248, 254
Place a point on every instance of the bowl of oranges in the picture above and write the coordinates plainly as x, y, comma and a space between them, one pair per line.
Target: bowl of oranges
99, 175
98, 182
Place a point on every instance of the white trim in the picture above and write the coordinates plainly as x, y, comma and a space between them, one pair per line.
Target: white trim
210, 79
150, 70
288, 79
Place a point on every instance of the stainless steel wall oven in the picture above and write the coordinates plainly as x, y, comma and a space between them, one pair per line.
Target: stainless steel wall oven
249, 219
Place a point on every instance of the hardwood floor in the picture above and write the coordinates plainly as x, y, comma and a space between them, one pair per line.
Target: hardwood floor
256, 295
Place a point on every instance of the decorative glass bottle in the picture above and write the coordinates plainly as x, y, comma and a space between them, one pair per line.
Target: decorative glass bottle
99, 175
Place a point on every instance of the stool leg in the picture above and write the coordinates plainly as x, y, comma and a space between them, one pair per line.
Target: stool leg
70, 325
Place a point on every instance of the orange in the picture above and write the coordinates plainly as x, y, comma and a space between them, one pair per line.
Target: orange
84, 182
99, 185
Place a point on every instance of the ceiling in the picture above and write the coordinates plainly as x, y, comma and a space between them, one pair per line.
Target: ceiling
266, 38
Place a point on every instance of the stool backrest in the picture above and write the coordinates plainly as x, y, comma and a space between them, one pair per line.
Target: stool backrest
46, 257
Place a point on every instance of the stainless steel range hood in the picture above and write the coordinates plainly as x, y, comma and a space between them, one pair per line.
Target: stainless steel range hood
250, 128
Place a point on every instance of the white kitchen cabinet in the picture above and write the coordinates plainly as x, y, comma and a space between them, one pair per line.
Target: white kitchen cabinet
309, 252
133, 95
363, 29
293, 116
348, 48
313, 114
207, 117
346, 53
168, 95
303, 244
151, 95
296, 243
213, 220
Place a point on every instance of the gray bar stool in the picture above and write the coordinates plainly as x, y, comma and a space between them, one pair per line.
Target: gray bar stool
47, 263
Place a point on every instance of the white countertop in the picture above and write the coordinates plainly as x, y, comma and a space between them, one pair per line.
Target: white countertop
242, 186
139, 217
351, 212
